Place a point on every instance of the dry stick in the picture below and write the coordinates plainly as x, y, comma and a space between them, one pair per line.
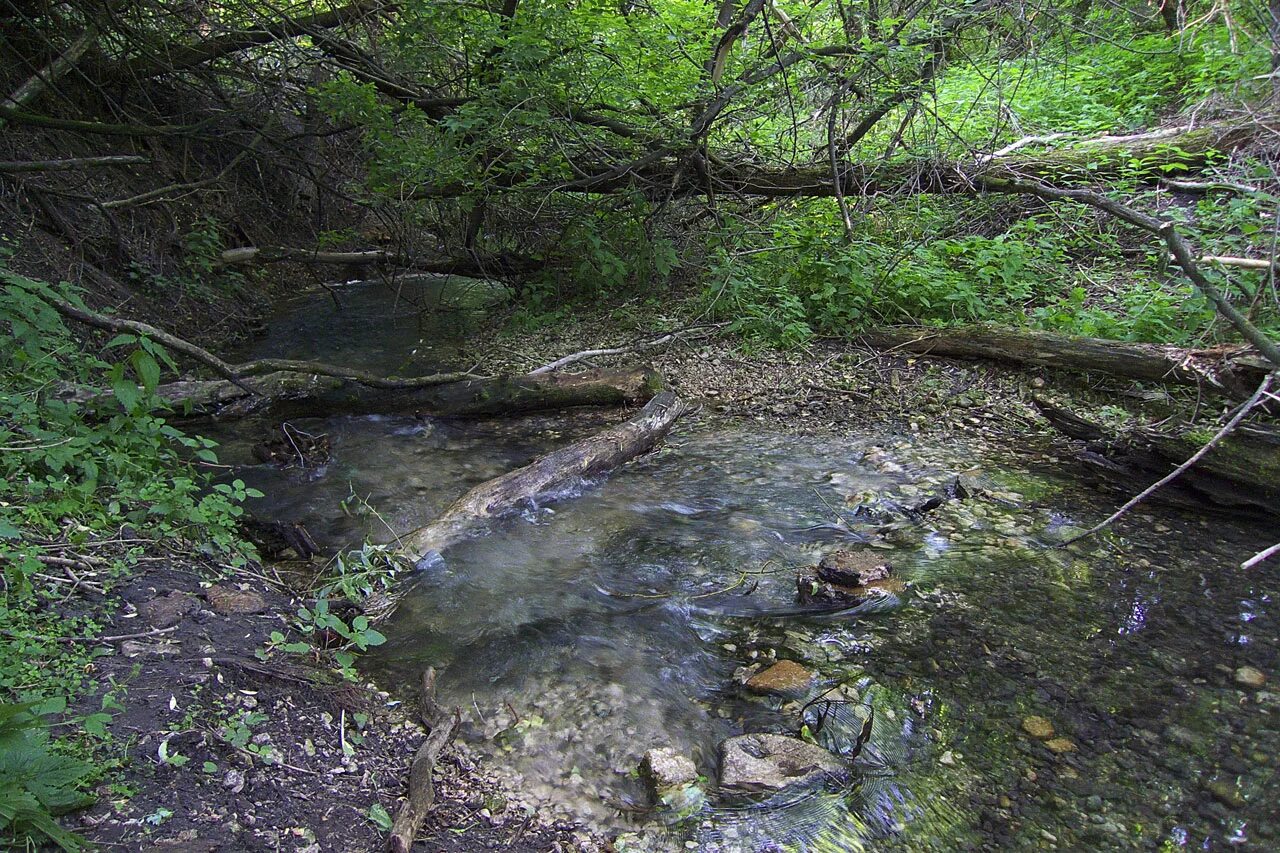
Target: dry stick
422, 791
593, 353
10, 167
237, 372
1261, 556
39, 82
1177, 472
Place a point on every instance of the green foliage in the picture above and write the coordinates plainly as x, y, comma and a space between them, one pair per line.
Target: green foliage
36, 783
100, 464
800, 279
73, 472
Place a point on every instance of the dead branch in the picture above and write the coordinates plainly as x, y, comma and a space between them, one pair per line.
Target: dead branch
1262, 556
38, 83
10, 167
1177, 472
588, 457
594, 353
441, 725
236, 373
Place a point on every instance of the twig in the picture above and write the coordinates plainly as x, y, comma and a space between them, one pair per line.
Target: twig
592, 353
1177, 472
422, 792
9, 167
1261, 556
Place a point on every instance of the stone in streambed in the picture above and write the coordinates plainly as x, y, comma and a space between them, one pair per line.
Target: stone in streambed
1247, 676
768, 762
1060, 745
1038, 727
666, 768
853, 568
673, 784
785, 676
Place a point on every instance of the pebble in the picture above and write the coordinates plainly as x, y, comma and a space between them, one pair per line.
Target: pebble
1061, 745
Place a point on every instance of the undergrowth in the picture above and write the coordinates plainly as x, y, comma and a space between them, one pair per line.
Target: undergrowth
74, 474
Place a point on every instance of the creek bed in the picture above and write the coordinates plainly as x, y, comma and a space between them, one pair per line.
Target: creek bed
582, 633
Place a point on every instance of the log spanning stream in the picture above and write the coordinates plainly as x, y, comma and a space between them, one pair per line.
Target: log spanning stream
584, 632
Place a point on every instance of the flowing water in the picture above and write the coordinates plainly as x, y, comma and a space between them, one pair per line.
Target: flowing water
582, 633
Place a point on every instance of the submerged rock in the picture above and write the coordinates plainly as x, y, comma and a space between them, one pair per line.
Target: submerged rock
1247, 676
812, 588
1038, 727
769, 762
785, 676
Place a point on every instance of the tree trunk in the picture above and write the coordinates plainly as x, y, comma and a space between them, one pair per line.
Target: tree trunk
589, 457
293, 395
1242, 471
1231, 371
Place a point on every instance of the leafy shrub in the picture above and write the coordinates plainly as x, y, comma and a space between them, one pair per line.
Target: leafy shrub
36, 783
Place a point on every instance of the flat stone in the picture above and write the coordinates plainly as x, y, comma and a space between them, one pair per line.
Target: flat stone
1038, 727
230, 601
812, 589
665, 768
1247, 676
1060, 745
1226, 793
785, 676
165, 611
768, 762
853, 568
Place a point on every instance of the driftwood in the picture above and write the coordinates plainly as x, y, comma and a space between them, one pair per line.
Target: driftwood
1242, 470
588, 457
11, 167
1232, 371
296, 395
441, 725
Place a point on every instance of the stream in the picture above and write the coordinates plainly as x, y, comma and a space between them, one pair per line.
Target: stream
584, 632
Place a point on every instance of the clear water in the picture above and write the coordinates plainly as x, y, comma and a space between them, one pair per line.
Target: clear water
580, 634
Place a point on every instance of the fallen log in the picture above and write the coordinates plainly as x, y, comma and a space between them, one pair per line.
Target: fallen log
1241, 471
297, 395
1231, 371
587, 457
441, 725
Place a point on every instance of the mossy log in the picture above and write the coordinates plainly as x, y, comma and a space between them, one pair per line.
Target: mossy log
588, 457
293, 395
1242, 470
1231, 371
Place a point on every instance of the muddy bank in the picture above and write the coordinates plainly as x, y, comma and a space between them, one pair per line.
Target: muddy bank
229, 744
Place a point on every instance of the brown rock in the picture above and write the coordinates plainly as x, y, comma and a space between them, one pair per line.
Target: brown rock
853, 568
1038, 727
230, 601
1247, 676
1060, 745
165, 611
785, 676
812, 589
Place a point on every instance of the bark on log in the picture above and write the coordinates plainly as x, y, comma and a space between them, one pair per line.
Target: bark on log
1243, 470
11, 167
1232, 371
441, 725
495, 266
295, 395
588, 457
